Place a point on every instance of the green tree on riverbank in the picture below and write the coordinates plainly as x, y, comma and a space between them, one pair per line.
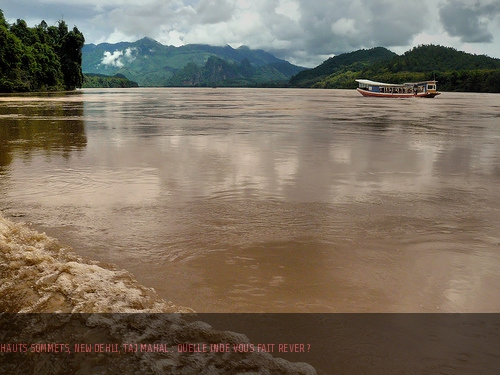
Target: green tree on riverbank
40, 58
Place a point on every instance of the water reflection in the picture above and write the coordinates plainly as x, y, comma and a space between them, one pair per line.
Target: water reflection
48, 124
272, 200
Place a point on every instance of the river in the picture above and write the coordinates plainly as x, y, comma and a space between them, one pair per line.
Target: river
267, 200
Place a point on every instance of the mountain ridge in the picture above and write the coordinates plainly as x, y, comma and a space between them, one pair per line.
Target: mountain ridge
151, 63
355, 60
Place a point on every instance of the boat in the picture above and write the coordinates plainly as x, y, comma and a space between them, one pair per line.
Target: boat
425, 89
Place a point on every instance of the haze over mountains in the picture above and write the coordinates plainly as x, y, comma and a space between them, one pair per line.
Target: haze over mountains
150, 63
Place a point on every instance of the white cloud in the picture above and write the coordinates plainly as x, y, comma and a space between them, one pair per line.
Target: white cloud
214, 11
302, 31
112, 59
470, 21
116, 58
290, 9
344, 26
129, 54
171, 38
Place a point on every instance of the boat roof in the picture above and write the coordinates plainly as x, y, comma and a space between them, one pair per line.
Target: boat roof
421, 82
374, 83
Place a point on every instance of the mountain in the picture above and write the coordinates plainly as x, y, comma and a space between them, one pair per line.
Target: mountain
150, 63
431, 58
454, 70
352, 61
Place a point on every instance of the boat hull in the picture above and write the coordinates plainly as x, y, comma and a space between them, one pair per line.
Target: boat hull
397, 95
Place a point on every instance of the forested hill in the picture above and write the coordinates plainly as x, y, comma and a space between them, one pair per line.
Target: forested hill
353, 61
454, 70
91, 80
41, 58
150, 63
432, 58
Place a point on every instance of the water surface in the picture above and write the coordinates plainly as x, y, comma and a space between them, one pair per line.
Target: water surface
267, 200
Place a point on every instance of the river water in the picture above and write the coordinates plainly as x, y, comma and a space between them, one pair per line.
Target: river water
267, 200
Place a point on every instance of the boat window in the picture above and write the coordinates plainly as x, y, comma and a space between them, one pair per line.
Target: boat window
431, 87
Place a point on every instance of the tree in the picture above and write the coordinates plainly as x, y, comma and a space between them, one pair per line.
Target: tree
2, 20
40, 58
71, 58
11, 52
21, 30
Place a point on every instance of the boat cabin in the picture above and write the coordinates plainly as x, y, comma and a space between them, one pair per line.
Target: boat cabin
410, 89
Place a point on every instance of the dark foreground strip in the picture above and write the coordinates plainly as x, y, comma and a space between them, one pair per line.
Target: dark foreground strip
250, 344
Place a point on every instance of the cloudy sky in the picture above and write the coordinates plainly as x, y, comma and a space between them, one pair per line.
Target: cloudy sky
305, 32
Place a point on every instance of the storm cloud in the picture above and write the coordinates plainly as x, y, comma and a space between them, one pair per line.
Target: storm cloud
470, 21
302, 31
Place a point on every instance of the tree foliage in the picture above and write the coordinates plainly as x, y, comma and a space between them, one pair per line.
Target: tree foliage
102, 81
39, 58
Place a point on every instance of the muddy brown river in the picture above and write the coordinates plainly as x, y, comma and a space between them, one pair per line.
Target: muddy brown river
267, 200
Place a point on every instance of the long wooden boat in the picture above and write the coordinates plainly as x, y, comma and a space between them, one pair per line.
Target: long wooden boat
425, 89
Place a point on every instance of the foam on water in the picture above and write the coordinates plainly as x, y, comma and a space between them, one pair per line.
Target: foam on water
40, 275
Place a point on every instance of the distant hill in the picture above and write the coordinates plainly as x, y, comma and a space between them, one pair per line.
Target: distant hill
454, 70
353, 61
91, 80
150, 63
431, 58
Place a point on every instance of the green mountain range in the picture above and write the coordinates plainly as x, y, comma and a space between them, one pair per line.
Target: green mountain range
454, 70
150, 63
347, 62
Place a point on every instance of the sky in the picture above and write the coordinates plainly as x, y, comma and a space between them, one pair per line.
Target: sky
304, 32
